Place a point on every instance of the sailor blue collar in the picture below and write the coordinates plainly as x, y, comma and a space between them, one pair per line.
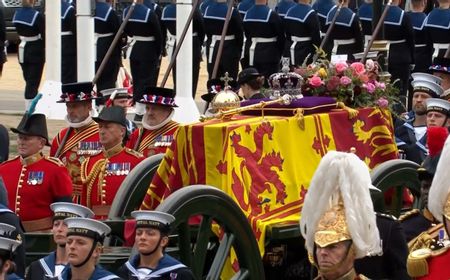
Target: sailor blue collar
345, 17
300, 12
258, 13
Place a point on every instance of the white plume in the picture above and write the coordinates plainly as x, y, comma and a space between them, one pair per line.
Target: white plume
440, 187
346, 175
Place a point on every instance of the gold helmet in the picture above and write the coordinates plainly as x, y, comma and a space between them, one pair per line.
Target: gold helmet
338, 206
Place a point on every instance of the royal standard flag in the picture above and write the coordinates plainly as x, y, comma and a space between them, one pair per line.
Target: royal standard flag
266, 164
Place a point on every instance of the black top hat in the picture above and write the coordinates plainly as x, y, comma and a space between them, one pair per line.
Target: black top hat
33, 125
114, 114
76, 92
247, 75
159, 96
215, 86
441, 64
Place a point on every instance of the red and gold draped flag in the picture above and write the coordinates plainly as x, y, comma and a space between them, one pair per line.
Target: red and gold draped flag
266, 164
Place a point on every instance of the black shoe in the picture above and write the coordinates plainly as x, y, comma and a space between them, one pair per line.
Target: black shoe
138, 118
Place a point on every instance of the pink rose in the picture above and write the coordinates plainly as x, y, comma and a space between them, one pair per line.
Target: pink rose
358, 67
315, 81
380, 85
345, 81
370, 87
382, 102
333, 83
341, 67
364, 78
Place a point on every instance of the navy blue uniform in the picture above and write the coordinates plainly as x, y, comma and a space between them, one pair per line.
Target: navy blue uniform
365, 14
302, 29
107, 24
283, 7
323, 7
145, 48
244, 6
400, 34
9, 217
44, 268
214, 19
392, 264
30, 25
98, 274
68, 43
405, 138
265, 40
423, 46
347, 37
205, 5
438, 25
168, 268
415, 222
158, 11
168, 20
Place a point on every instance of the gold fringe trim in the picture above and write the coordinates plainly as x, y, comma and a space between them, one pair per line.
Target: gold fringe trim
417, 264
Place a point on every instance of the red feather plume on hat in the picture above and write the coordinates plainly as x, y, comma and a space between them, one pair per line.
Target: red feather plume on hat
436, 137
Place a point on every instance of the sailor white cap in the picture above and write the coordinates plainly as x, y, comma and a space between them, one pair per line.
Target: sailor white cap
152, 219
6, 242
116, 93
426, 77
87, 227
63, 210
427, 86
438, 105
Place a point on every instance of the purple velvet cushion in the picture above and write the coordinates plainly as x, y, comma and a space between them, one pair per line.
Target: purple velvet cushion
310, 104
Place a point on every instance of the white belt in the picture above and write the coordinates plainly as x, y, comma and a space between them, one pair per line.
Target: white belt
99, 35
135, 39
339, 42
23, 41
243, 49
397, 42
439, 46
214, 39
420, 45
366, 40
170, 44
295, 40
257, 40
66, 33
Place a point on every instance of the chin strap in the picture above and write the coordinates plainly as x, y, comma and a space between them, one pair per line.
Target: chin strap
154, 250
88, 256
350, 251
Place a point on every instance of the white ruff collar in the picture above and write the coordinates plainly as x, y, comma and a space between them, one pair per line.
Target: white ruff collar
87, 121
163, 123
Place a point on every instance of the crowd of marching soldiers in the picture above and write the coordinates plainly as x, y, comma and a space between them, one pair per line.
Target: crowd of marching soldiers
256, 36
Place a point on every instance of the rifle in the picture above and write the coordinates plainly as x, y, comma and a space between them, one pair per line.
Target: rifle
177, 49
376, 31
113, 45
328, 34
221, 44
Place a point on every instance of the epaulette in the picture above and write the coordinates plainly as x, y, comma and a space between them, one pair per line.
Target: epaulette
133, 153
54, 160
417, 263
9, 160
409, 214
387, 216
